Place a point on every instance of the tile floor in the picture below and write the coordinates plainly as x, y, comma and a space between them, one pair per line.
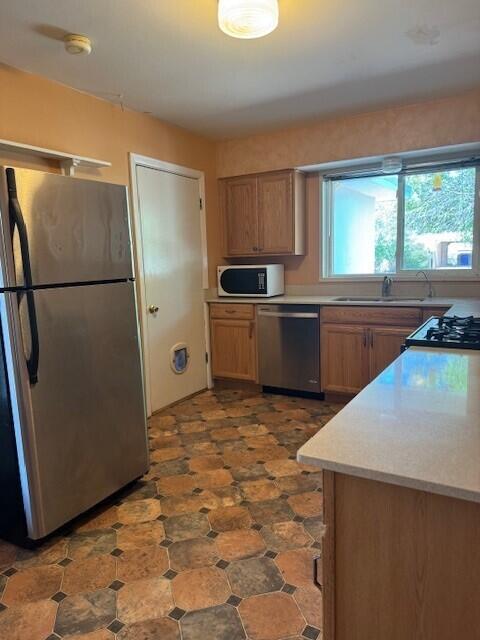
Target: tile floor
215, 543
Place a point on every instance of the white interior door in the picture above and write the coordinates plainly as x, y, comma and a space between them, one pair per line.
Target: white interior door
169, 207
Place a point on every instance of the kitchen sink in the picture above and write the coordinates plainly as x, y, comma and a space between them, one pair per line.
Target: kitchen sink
406, 299
377, 299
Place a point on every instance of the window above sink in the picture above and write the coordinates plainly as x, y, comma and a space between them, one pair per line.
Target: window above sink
426, 217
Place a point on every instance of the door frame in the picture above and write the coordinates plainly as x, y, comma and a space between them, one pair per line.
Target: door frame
138, 160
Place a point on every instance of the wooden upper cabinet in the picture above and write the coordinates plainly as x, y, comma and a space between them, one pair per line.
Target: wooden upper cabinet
265, 214
240, 202
276, 219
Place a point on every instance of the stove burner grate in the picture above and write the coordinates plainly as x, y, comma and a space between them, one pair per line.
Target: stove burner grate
453, 328
448, 331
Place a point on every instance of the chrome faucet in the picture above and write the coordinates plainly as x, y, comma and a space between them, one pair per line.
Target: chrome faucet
430, 286
386, 286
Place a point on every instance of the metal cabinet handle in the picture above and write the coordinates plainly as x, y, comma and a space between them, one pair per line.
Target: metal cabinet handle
230, 311
316, 581
365, 337
152, 309
250, 331
371, 339
254, 248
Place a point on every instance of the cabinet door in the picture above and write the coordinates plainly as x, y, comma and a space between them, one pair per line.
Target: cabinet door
385, 345
234, 351
241, 219
276, 221
344, 357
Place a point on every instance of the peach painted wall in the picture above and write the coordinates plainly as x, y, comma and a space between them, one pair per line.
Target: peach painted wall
36, 111
424, 125
418, 126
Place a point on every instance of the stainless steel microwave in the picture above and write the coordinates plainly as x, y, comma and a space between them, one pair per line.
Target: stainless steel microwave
251, 280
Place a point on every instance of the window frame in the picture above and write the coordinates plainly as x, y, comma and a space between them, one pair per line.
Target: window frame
326, 230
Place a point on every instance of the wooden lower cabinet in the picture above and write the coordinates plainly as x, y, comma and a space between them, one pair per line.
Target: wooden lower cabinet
398, 563
357, 343
385, 345
344, 358
352, 355
234, 349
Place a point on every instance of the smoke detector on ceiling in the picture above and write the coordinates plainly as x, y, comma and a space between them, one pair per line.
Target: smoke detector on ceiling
77, 44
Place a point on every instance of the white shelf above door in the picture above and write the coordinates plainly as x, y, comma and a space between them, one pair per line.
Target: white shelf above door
68, 161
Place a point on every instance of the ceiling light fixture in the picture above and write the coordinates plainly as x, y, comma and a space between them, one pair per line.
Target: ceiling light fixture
247, 18
77, 44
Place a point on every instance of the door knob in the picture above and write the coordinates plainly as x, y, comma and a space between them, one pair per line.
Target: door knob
152, 309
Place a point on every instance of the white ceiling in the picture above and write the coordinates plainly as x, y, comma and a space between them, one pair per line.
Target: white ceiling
168, 57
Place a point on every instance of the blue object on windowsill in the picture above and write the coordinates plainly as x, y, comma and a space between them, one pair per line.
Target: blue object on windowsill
464, 259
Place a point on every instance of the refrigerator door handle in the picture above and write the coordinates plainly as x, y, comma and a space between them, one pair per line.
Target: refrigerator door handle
16, 220
34, 357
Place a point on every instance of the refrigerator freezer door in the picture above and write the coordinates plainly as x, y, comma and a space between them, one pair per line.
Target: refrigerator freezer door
78, 230
82, 427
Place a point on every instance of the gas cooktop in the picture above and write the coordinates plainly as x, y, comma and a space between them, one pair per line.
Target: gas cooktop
448, 332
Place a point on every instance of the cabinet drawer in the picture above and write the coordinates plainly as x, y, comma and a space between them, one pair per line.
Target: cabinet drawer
398, 316
428, 312
232, 310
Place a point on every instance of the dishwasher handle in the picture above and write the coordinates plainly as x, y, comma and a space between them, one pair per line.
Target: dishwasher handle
287, 314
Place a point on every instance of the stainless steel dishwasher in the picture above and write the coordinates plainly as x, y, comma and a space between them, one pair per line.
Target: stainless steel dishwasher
288, 347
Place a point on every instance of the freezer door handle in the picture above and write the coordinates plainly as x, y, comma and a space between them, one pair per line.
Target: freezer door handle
16, 220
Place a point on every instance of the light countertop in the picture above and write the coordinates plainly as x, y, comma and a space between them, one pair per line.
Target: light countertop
416, 425
457, 306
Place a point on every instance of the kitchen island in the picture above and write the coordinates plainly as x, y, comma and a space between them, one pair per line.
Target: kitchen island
401, 554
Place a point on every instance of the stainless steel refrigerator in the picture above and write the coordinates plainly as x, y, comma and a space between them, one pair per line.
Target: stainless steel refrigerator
72, 414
